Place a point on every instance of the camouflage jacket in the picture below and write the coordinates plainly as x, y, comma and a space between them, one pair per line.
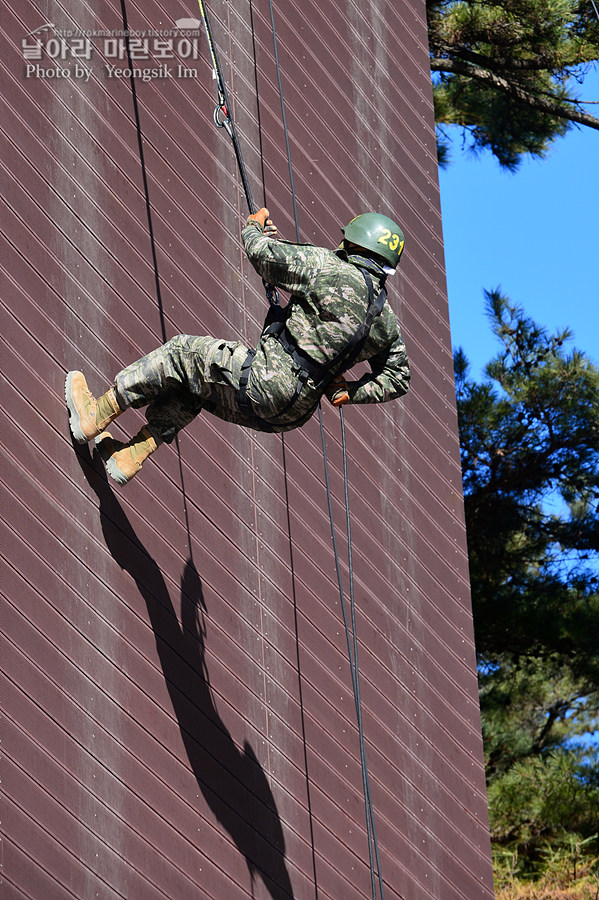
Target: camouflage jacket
329, 298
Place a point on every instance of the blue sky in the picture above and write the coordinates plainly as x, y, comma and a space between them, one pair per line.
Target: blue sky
535, 233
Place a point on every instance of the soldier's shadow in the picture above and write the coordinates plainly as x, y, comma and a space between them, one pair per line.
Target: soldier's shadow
231, 780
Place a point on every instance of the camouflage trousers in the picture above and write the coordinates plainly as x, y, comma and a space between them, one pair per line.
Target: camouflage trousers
186, 375
183, 377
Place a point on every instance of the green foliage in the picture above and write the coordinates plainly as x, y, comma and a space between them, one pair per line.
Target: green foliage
529, 440
508, 70
543, 780
539, 803
494, 122
532, 705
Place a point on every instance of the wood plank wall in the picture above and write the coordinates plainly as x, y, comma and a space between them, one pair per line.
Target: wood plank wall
179, 720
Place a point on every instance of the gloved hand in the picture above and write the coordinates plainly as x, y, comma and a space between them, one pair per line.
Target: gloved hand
262, 219
336, 391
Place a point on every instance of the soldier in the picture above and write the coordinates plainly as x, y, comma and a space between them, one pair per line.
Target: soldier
337, 315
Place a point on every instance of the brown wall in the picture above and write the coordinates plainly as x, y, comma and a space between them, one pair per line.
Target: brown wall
179, 716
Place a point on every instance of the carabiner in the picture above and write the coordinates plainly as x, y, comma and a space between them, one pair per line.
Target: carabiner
222, 119
272, 295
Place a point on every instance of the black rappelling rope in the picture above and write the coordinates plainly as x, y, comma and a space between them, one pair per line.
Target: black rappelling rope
352, 647
350, 631
224, 119
284, 119
222, 112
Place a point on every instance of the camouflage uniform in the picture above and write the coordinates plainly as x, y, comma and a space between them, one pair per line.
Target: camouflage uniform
328, 303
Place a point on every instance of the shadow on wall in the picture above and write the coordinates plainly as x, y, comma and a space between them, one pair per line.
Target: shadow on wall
232, 782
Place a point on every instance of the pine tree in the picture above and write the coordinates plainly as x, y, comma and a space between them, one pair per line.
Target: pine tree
508, 70
529, 439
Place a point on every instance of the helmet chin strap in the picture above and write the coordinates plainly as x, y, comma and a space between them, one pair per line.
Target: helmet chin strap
356, 253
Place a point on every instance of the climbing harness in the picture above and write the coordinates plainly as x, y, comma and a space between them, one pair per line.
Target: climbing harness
321, 374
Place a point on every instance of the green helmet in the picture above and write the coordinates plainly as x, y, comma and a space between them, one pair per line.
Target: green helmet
377, 233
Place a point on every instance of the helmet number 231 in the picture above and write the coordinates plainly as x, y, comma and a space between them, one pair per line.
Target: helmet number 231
390, 240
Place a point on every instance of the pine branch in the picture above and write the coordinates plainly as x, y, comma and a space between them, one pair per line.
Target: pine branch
551, 107
546, 62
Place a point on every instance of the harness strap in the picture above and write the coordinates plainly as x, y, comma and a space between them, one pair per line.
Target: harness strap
304, 362
321, 373
348, 354
242, 397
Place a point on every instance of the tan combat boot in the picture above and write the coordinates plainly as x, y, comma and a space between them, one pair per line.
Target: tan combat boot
88, 416
123, 461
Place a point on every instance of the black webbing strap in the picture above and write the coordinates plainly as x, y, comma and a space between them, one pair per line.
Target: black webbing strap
348, 354
242, 396
303, 362
321, 373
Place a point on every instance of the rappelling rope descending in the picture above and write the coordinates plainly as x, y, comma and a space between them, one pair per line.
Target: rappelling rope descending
350, 630
352, 647
222, 111
284, 119
223, 119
